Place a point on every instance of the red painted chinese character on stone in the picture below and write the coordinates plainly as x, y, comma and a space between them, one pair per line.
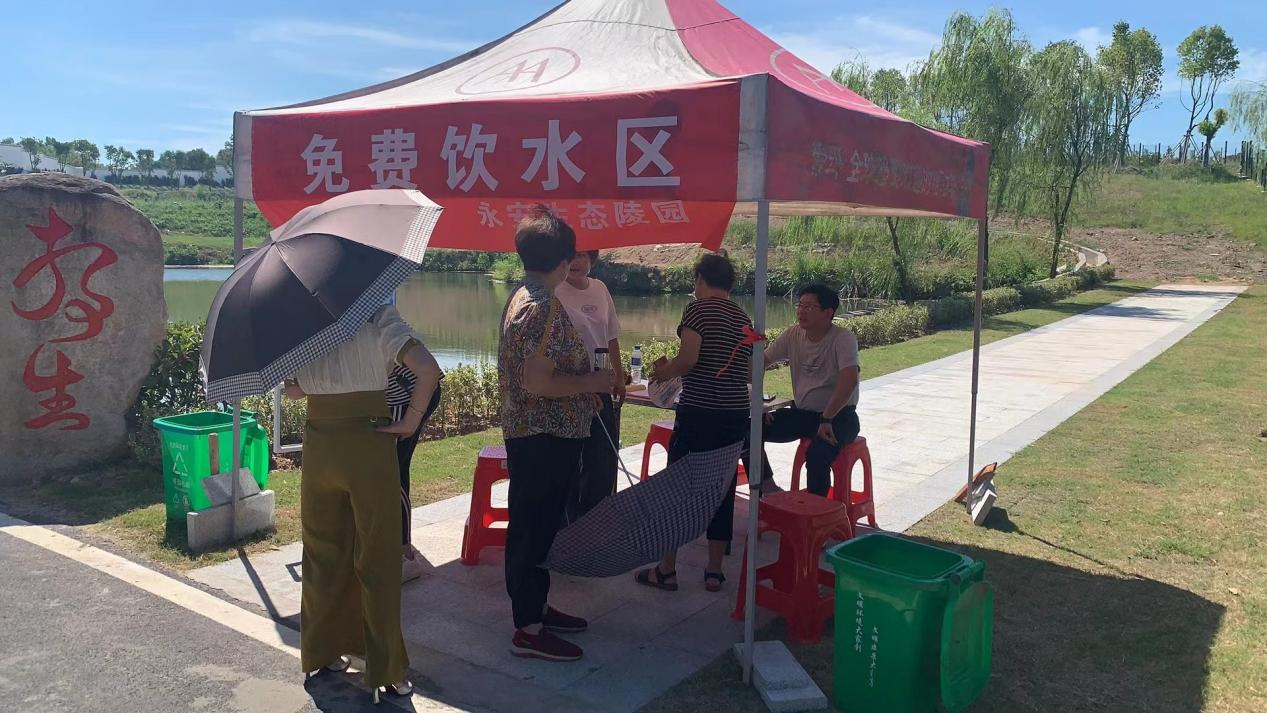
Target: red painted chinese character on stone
91, 313
58, 405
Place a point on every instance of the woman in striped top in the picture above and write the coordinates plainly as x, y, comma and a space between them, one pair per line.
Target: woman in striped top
400, 391
715, 367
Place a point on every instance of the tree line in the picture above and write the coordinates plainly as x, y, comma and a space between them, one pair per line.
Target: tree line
1057, 117
88, 157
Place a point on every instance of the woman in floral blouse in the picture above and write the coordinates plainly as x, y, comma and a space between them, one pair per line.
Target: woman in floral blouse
549, 399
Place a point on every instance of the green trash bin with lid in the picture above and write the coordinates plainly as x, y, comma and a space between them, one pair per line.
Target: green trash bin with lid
913, 626
200, 444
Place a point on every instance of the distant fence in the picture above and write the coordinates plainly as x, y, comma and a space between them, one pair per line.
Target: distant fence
1253, 163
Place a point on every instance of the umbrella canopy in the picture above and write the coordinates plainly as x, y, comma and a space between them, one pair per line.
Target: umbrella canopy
311, 287
639, 121
641, 523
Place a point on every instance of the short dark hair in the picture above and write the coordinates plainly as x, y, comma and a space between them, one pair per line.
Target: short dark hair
543, 240
826, 296
716, 271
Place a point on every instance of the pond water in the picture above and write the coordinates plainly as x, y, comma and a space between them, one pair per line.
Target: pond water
457, 313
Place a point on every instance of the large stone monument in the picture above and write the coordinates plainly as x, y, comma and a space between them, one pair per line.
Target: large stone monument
81, 314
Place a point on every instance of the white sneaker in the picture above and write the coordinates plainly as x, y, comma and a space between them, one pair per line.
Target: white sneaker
410, 569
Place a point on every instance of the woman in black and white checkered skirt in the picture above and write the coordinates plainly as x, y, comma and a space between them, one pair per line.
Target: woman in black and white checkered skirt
400, 389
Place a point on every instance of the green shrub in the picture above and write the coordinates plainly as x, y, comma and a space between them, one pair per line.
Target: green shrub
742, 233
889, 325
1214, 173
470, 401
1000, 300
950, 311
441, 260
184, 254
508, 268
173, 386
294, 415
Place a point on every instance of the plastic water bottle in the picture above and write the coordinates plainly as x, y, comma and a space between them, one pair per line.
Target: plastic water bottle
635, 365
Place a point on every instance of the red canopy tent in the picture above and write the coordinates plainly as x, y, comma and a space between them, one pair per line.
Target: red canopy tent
639, 121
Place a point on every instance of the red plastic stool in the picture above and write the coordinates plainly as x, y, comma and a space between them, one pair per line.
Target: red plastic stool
660, 434
861, 503
479, 532
804, 522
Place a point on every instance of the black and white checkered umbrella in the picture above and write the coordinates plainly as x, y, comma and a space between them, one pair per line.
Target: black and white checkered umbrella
638, 525
311, 287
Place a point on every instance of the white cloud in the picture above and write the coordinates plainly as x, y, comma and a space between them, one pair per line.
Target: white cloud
321, 34
880, 42
892, 31
1091, 38
1253, 66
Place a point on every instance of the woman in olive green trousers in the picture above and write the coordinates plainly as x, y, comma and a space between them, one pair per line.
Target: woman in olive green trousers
350, 506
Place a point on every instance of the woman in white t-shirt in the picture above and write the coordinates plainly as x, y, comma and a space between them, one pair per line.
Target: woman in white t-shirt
590, 307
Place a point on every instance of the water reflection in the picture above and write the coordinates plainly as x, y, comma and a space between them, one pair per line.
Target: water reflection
457, 313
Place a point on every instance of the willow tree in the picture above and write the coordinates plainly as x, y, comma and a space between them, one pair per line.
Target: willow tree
1249, 109
1068, 132
976, 84
889, 89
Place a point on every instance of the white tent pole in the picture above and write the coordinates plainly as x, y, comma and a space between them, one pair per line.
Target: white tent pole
983, 238
237, 230
237, 464
755, 451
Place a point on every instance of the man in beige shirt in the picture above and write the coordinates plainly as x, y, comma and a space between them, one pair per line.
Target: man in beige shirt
824, 361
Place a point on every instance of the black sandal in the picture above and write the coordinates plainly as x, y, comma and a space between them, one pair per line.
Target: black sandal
713, 581
653, 577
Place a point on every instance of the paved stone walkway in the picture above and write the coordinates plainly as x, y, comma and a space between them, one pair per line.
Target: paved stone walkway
457, 619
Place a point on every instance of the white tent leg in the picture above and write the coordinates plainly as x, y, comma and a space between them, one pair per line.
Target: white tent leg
237, 465
755, 451
237, 230
983, 239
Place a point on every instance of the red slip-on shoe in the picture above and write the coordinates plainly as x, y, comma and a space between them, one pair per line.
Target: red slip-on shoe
561, 623
544, 646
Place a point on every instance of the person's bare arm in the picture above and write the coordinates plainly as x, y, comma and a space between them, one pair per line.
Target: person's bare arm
687, 357
542, 378
419, 360
846, 384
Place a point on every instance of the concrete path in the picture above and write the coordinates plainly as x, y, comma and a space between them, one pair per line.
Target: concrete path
457, 619
77, 638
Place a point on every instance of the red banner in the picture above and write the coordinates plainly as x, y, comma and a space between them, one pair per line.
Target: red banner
826, 153
625, 169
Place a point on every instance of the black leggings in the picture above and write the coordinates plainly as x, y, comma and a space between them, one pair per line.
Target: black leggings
699, 430
405, 456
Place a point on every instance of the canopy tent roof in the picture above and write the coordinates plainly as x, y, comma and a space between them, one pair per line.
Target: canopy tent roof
640, 121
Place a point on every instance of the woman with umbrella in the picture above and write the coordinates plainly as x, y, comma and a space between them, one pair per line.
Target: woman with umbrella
309, 304
350, 499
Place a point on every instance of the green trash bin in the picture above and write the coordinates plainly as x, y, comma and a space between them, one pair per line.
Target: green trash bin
188, 444
913, 626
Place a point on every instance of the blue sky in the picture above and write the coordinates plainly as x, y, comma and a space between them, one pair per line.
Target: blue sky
164, 75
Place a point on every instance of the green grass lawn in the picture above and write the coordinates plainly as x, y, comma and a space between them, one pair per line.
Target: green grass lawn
125, 503
208, 241
1165, 205
1127, 550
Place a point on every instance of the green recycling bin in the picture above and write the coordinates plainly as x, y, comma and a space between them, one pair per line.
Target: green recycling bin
913, 626
200, 444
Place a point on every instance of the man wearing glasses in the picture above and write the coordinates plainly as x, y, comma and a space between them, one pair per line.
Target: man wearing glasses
824, 362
